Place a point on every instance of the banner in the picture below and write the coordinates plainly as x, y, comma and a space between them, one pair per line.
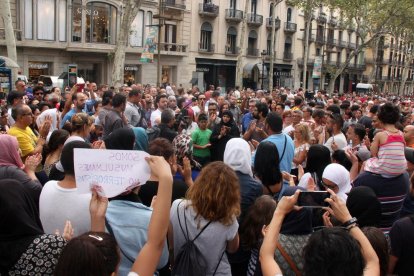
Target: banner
112, 172
317, 68
150, 45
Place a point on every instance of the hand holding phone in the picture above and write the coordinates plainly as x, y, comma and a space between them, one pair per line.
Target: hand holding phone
313, 199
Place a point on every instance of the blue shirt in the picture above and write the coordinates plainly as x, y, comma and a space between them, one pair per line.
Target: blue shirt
280, 140
88, 109
129, 222
247, 118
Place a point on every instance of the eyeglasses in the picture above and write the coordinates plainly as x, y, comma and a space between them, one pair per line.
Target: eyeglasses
27, 114
332, 187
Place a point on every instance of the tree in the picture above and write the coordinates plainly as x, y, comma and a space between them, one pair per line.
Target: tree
371, 20
239, 64
274, 3
5, 14
130, 11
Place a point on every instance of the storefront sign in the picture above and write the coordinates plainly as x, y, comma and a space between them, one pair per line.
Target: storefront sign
282, 74
38, 65
131, 68
88, 12
202, 69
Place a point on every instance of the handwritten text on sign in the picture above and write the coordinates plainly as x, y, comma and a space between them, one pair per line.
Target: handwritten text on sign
115, 171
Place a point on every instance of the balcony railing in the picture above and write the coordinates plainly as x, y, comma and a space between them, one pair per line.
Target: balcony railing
342, 44
312, 37
208, 10
17, 34
332, 21
252, 52
173, 47
234, 15
300, 61
287, 56
232, 51
385, 78
254, 19
331, 42
322, 17
208, 49
351, 45
290, 27
333, 63
173, 4
269, 23
320, 39
268, 54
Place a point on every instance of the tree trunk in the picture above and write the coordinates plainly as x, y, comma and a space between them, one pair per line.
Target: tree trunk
373, 75
130, 11
239, 66
272, 45
308, 14
5, 14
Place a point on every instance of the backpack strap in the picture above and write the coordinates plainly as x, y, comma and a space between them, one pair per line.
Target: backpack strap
222, 254
108, 226
288, 259
284, 149
186, 236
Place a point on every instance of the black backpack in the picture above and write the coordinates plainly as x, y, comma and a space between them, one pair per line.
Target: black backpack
153, 133
190, 260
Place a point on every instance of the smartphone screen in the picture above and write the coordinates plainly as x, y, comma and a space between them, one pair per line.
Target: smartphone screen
81, 86
313, 199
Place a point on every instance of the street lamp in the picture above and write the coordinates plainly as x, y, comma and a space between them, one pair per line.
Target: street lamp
263, 54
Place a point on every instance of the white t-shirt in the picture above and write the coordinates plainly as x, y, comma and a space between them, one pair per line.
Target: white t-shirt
287, 130
156, 114
57, 205
340, 141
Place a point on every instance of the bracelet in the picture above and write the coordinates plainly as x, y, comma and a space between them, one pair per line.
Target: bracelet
42, 137
349, 228
350, 222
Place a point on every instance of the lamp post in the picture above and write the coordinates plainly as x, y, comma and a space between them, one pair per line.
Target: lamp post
263, 54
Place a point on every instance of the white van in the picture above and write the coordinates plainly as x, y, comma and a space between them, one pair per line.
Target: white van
366, 88
54, 81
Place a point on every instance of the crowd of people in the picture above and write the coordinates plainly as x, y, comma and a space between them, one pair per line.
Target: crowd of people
227, 171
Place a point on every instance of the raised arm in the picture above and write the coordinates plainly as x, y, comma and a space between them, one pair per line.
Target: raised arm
148, 258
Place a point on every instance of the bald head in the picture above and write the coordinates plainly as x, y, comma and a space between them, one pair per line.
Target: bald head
409, 135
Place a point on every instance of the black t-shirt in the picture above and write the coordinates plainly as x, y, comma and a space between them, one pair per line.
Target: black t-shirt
402, 245
150, 189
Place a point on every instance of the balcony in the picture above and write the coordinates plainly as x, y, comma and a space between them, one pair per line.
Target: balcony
208, 10
361, 67
269, 23
322, 18
342, 44
300, 62
331, 42
206, 49
234, 16
287, 56
312, 37
385, 78
333, 63
332, 21
351, 45
228, 51
252, 52
17, 34
254, 20
320, 39
290, 27
267, 56
173, 4
173, 47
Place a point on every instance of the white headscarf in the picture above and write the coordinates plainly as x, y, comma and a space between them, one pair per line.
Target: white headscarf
238, 156
52, 113
340, 176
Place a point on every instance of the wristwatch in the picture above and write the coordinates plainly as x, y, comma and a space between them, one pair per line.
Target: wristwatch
350, 222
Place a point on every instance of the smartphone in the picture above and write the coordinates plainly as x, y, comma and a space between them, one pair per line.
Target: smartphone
81, 86
313, 199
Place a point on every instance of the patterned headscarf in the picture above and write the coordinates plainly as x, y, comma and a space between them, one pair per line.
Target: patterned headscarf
183, 147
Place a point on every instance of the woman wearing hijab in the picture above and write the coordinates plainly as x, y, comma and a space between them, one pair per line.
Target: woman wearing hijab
24, 248
336, 178
141, 139
318, 158
183, 148
11, 165
238, 156
368, 213
222, 133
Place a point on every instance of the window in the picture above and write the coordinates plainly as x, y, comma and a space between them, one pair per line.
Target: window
28, 19
149, 18
76, 20
270, 10
253, 7
136, 35
289, 15
170, 36
233, 4
205, 36
231, 40
62, 20
46, 19
100, 23
269, 44
251, 43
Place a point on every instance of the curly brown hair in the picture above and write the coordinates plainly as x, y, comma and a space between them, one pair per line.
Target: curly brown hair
215, 194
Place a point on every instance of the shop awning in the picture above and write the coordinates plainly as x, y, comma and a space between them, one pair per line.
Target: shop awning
249, 67
8, 62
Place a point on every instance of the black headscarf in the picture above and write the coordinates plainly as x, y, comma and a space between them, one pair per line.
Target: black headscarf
229, 123
19, 223
296, 222
363, 204
120, 139
318, 158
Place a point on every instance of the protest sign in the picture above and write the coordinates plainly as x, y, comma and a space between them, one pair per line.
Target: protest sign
112, 171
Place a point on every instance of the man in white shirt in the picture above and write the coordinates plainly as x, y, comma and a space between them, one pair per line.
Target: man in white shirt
161, 102
334, 126
60, 202
132, 110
